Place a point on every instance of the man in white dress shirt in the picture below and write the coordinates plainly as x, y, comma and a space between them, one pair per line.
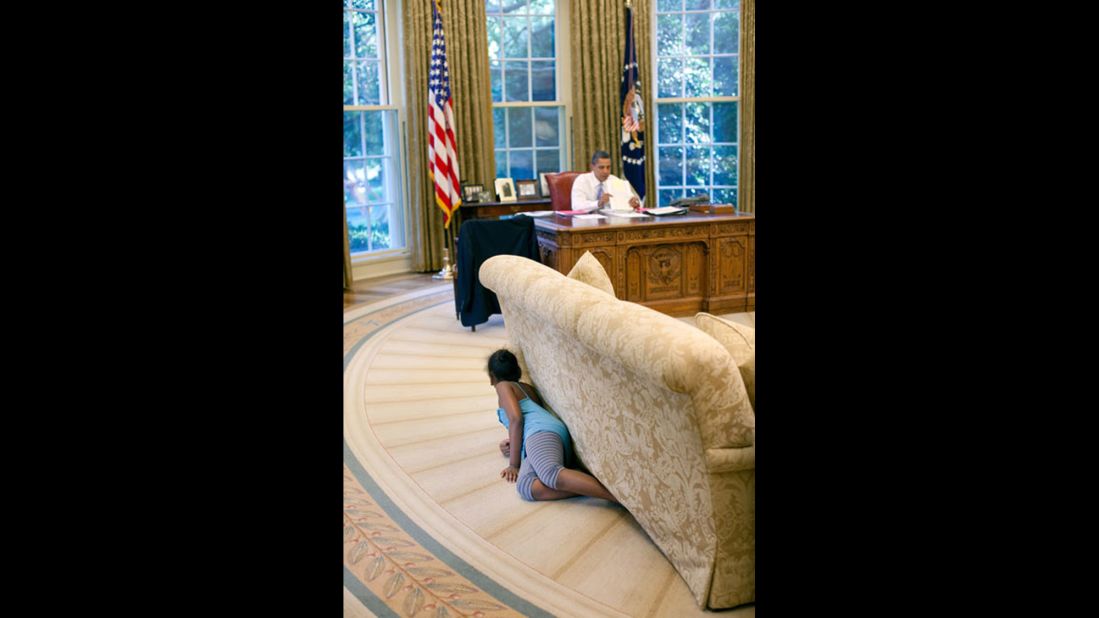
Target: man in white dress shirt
589, 190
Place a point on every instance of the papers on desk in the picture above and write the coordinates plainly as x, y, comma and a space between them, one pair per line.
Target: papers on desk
666, 210
629, 214
536, 213
588, 217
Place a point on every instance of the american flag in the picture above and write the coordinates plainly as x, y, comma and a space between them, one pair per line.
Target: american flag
441, 146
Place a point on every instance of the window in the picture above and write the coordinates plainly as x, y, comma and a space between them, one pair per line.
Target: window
528, 121
372, 181
697, 99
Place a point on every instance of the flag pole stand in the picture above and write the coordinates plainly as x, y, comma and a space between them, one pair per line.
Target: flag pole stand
447, 273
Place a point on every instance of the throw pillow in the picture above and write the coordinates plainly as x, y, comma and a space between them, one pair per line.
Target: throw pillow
740, 341
588, 270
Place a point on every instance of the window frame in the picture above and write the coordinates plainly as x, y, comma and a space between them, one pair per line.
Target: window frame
390, 100
562, 102
681, 141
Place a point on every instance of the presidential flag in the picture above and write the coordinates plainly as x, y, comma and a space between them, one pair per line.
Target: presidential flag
633, 116
441, 146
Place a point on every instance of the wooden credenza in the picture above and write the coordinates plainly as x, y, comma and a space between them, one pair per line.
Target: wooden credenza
492, 210
678, 264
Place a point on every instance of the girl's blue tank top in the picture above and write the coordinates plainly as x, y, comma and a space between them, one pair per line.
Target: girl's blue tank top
536, 419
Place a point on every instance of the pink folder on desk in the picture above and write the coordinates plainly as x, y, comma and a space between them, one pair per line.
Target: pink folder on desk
573, 212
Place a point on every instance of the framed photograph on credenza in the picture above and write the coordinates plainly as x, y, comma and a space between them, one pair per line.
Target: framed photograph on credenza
505, 190
471, 192
526, 189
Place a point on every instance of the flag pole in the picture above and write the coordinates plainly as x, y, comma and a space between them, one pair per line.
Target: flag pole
442, 150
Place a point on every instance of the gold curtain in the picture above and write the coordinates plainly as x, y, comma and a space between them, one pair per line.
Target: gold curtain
598, 48
348, 278
471, 91
746, 200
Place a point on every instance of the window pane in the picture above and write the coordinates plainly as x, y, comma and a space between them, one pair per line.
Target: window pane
519, 127
375, 132
726, 33
542, 76
352, 137
348, 84
368, 83
363, 4
671, 123
725, 165
379, 227
497, 79
698, 123
698, 166
346, 34
696, 4
693, 191
541, 7
696, 77
669, 34
517, 86
671, 166
727, 4
354, 182
513, 6
725, 122
669, 5
725, 76
357, 229
522, 164
366, 35
499, 131
697, 33
667, 195
546, 121
549, 161
495, 41
492, 6
724, 196
501, 164
671, 77
541, 37
375, 181
516, 37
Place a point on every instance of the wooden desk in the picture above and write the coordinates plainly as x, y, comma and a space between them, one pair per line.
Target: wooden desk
491, 210
678, 264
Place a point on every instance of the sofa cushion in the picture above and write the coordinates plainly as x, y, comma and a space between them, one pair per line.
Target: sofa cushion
588, 270
740, 341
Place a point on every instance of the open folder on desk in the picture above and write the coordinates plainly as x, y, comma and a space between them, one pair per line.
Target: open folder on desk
572, 212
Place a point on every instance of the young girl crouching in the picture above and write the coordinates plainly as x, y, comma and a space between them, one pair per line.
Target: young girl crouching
538, 443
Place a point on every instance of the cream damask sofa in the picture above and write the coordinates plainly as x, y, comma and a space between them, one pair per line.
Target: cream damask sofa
658, 411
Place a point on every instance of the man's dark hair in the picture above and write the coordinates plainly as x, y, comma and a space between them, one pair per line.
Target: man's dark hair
600, 154
503, 365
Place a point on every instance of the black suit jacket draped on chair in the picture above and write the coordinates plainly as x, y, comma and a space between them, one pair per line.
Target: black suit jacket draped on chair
478, 240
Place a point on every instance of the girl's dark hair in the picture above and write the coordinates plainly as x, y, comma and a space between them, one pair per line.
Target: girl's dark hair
503, 365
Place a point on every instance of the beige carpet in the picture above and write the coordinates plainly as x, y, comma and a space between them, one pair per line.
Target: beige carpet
430, 528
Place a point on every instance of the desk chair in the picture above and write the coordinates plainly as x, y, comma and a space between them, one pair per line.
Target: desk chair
478, 240
560, 189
